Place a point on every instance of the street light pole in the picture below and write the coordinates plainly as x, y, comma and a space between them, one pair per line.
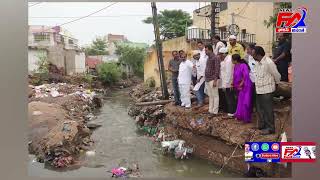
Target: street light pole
164, 88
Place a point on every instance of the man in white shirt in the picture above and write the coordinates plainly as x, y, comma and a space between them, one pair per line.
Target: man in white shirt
200, 69
184, 80
217, 44
251, 62
226, 75
266, 77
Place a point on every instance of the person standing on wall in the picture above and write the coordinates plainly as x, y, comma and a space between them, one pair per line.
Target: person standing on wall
282, 56
235, 47
217, 44
266, 77
212, 73
174, 68
226, 78
184, 80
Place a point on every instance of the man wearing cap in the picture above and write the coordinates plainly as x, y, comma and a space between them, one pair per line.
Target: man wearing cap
226, 78
200, 68
234, 47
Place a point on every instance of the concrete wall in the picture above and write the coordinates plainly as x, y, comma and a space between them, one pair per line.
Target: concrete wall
33, 59
70, 61
151, 68
57, 55
80, 62
251, 17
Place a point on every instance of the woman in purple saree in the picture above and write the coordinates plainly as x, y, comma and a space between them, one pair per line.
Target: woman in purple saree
243, 86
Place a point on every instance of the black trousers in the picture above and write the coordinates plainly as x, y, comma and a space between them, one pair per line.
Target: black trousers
222, 101
265, 111
231, 100
254, 96
282, 67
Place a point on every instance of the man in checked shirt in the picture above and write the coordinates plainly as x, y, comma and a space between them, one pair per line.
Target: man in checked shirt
212, 75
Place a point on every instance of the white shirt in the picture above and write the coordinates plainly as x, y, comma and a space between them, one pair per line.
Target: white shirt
203, 54
251, 63
217, 47
266, 76
201, 67
185, 72
226, 72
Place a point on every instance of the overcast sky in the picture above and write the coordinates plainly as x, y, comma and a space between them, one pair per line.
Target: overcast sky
124, 18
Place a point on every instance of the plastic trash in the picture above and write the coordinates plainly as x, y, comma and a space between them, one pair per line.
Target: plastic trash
54, 93
37, 113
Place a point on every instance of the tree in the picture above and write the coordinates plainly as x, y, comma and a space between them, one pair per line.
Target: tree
273, 19
98, 47
132, 56
172, 23
108, 73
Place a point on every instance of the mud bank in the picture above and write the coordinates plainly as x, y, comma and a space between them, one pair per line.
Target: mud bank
57, 116
215, 139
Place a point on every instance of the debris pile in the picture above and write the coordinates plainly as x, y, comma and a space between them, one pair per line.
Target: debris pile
58, 117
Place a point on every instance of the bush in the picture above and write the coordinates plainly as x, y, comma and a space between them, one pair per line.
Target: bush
88, 79
41, 74
108, 73
150, 82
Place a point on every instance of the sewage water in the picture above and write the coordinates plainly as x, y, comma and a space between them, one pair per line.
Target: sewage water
119, 142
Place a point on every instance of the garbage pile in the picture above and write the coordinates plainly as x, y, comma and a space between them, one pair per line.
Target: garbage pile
122, 172
146, 117
178, 148
58, 118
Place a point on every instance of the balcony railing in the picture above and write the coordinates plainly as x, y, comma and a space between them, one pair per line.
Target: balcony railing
197, 34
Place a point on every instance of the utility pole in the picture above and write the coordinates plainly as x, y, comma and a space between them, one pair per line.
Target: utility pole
213, 19
165, 93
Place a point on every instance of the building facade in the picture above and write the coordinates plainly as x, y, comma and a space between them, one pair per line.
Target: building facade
249, 16
59, 49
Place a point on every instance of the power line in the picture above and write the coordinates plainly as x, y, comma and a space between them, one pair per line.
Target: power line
35, 4
66, 17
88, 14
84, 16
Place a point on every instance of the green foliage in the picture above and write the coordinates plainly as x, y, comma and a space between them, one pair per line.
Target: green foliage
89, 79
43, 64
273, 19
132, 56
172, 23
98, 47
150, 82
41, 74
108, 73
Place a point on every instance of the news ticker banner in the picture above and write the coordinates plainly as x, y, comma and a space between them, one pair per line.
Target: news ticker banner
280, 152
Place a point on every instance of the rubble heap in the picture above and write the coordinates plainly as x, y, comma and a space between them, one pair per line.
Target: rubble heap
58, 114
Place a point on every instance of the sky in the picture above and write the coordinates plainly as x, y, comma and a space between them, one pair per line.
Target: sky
123, 18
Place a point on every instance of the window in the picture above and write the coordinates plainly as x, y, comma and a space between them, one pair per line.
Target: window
70, 41
223, 6
41, 37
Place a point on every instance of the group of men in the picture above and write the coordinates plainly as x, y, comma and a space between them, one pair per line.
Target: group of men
211, 72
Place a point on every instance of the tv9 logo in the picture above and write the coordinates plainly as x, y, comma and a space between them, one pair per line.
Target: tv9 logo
289, 21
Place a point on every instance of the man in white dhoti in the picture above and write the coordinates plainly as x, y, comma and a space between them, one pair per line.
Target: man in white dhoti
184, 80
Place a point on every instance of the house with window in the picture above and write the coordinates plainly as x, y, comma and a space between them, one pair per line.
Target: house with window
55, 45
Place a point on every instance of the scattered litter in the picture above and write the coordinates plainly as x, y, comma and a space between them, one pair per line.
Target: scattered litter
61, 162
37, 113
54, 93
